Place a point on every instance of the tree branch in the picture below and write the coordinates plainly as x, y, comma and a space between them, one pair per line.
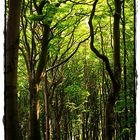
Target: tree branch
84, 3
69, 56
25, 58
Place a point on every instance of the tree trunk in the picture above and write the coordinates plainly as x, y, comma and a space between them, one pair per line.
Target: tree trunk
83, 127
46, 102
11, 61
71, 134
65, 125
35, 79
86, 125
113, 96
34, 112
57, 120
125, 73
91, 127
109, 129
57, 130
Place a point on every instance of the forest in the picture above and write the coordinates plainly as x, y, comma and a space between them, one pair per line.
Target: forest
69, 70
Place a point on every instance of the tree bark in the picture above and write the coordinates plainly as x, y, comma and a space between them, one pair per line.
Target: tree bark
113, 96
11, 62
65, 125
34, 112
46, 102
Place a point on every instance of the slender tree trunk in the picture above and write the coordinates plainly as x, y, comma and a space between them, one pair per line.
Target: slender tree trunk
57, 118
95, 118
46, 102
57, 126
125, 73
101, 110
71, 129
11, 61
57, 130
116, 31
102, 97
83, 127
65, 125
86, 126
91, 133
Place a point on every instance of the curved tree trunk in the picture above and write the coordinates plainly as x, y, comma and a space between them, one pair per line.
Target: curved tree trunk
11, 60
114, 76
113, 96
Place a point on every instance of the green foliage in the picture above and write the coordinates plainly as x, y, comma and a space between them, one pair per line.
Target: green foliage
78, 90
36, 17
76, 94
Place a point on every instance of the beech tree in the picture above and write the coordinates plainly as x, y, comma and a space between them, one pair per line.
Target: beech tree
11, 61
